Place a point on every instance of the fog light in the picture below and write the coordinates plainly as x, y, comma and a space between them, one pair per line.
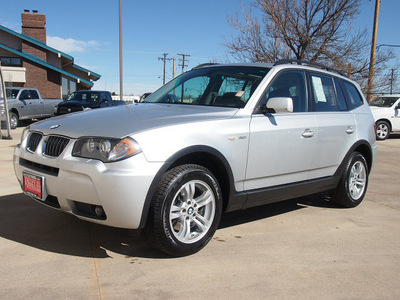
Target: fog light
99, 211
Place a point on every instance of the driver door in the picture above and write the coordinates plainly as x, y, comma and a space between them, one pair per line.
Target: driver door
282, 145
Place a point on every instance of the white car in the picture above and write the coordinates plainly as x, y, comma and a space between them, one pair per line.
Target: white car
215, 139
386, 112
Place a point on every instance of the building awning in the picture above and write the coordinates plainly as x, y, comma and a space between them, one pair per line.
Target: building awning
92, 75
43, 63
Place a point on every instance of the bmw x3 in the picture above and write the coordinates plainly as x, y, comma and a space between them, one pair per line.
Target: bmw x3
216, 139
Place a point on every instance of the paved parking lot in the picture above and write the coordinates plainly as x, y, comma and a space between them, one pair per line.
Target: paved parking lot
299, 249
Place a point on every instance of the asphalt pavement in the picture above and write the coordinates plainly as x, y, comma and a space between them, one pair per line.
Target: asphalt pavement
305, 248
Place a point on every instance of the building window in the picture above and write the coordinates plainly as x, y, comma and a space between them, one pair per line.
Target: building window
68, 87
11, 61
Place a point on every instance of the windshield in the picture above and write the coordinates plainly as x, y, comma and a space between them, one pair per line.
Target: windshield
215, 86
12, 93
383, 101
84, 96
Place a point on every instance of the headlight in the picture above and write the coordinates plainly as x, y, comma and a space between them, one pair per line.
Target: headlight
105, 149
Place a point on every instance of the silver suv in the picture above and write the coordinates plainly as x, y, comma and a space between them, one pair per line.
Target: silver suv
215, 139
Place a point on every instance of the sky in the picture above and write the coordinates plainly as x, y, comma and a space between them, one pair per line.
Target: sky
88, 30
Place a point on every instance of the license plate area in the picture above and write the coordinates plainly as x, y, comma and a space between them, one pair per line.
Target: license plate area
34, 186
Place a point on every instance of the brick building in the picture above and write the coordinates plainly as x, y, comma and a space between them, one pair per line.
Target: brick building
27, 61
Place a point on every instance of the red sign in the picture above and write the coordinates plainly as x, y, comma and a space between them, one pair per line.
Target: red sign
33, 185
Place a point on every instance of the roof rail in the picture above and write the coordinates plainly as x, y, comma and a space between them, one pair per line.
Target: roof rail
205, 65
305, 62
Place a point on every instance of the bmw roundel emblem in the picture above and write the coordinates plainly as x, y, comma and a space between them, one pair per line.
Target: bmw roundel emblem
55, 126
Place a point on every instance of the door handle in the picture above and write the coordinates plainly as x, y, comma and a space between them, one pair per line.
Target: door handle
349, 130
308, 133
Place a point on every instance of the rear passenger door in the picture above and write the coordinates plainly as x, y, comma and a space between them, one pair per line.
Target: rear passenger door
336, 124
282, 145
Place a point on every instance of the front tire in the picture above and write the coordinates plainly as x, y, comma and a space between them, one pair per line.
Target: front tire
13, 120
185, 211
353, 183
382, 130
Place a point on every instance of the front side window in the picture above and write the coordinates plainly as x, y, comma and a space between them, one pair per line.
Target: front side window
25, 95
289, 84
384, 101
214, 86
34, 94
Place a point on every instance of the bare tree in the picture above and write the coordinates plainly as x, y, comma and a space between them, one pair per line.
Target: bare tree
313, 30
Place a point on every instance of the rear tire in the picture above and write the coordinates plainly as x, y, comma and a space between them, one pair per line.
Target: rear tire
382, 130
353, 183
185, 211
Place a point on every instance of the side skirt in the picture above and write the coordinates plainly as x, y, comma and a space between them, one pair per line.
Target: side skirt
282, 192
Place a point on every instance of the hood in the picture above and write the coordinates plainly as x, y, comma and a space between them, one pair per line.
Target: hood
121, 121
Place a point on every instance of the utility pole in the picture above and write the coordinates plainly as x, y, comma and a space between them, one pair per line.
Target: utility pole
121, 93
164, 59
391, 82
183, 65
373, 49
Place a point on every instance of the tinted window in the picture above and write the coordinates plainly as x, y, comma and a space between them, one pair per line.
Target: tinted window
324, 93
12, 94
290, 84
353, 97
25, 95
11, 61
34, 94
383, 101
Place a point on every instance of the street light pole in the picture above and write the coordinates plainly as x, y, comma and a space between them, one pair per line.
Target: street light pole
120, 53
373, 49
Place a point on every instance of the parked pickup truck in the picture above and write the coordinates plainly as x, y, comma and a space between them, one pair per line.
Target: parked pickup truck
86, 100
27, 103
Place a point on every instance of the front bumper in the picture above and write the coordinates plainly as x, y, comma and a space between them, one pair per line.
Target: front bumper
83, 187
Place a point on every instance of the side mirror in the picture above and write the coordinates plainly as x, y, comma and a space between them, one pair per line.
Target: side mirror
278, 105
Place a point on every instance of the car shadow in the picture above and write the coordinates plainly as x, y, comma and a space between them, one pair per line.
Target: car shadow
24, 221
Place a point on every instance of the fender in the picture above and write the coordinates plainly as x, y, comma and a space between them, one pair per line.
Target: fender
184, 156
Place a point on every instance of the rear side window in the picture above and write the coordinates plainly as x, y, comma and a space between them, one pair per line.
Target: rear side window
324, 93
354, 98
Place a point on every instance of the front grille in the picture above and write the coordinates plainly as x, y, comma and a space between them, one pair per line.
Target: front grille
34, 141
55, 145
39, 167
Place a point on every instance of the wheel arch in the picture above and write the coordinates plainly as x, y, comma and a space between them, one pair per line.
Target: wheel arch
362, 147
15, 111
205, 156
